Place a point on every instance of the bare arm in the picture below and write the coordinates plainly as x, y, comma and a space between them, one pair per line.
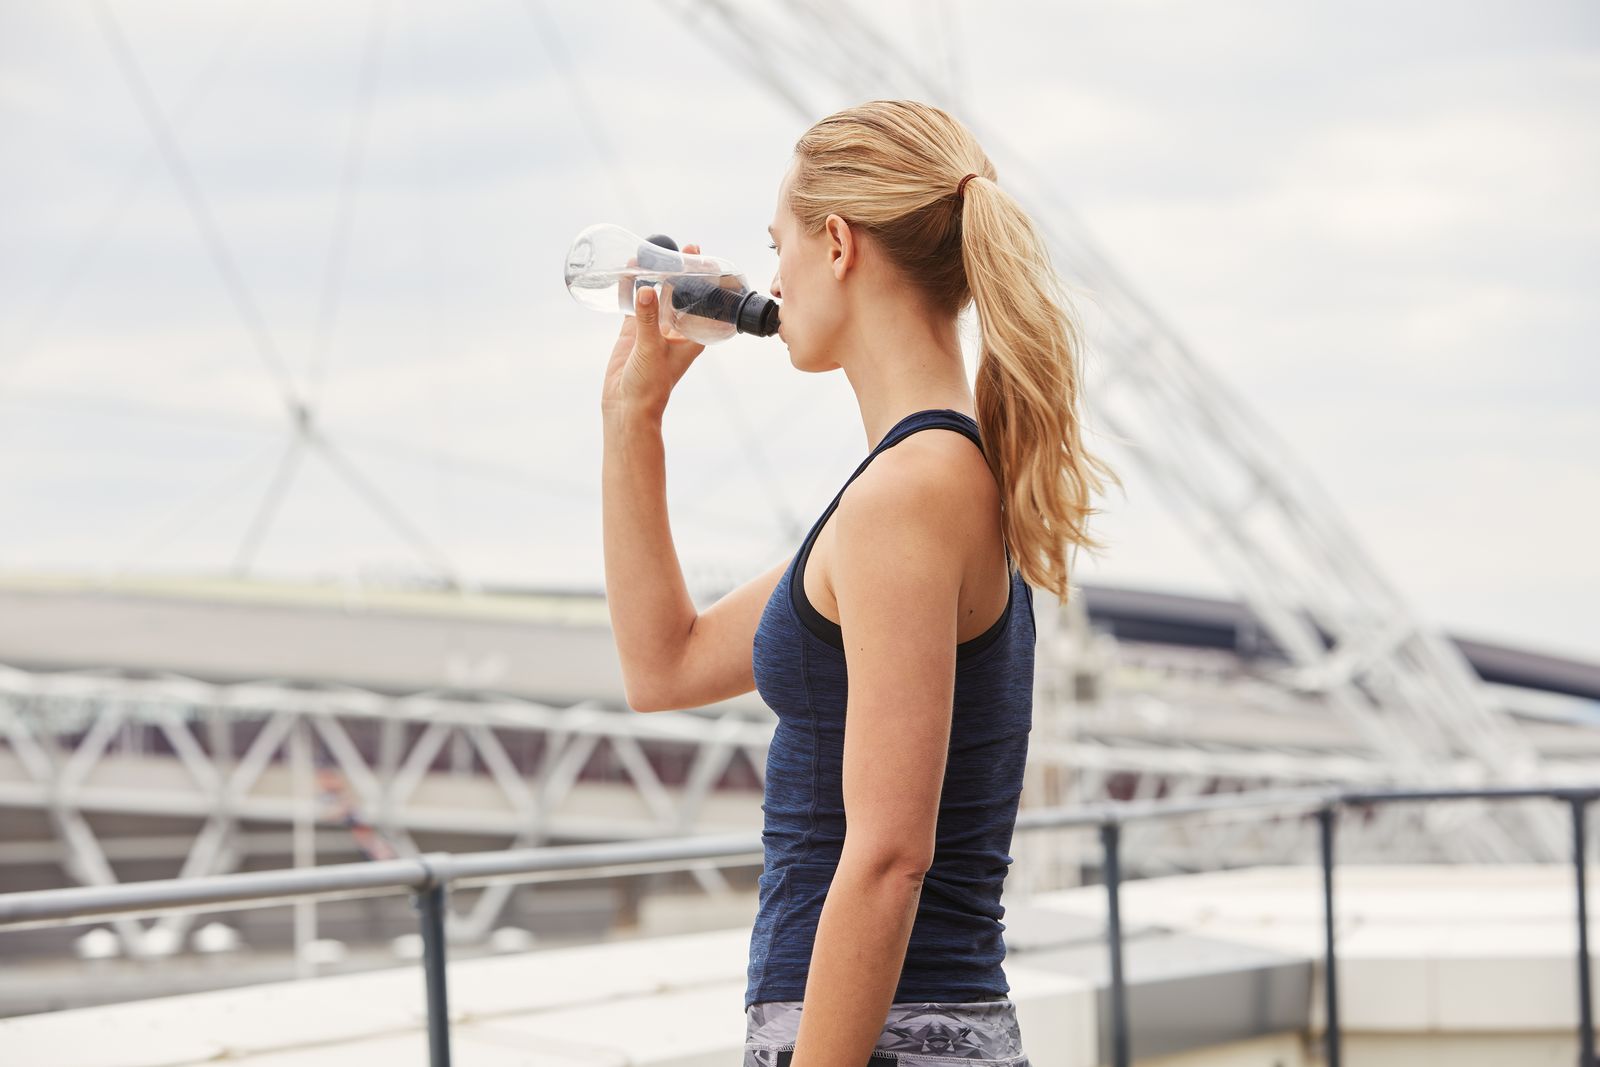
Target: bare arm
651, 611
671, 656
652, 617
718, 659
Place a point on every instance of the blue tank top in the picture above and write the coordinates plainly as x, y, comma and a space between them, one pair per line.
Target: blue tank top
956, 949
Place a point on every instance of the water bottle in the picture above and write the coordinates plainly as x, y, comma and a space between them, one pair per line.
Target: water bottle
702, 298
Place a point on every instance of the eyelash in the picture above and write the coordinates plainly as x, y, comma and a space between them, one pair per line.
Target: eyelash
773, 247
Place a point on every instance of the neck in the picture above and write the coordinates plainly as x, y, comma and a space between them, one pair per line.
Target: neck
904, 361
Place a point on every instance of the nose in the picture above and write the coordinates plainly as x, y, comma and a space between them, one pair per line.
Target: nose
777, 287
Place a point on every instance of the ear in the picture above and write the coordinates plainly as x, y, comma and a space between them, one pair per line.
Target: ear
843, 248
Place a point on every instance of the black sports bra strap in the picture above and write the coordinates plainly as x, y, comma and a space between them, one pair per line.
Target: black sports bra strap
945, 418
948, 418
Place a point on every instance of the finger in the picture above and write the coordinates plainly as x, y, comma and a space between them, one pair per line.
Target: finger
652, 331
645, 309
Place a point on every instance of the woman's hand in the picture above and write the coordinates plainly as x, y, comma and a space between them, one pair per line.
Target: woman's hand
648, 359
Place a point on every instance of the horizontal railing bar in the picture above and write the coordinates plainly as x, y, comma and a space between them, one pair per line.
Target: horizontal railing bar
1566, 793
72, 904
749, 858
477, 865
1125, 811
88, 902
588, 873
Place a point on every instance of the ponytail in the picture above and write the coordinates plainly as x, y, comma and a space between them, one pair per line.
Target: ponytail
1028, 388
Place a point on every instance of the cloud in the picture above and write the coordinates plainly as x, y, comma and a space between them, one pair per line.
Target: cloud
1384, 241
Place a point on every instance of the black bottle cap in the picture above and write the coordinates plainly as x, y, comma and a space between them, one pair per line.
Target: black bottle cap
758, 315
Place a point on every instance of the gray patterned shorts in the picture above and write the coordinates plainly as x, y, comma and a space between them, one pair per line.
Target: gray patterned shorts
981, 1033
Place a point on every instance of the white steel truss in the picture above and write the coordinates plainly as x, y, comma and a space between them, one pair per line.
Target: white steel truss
76, 744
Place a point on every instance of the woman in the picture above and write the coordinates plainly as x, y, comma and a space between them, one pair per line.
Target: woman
916, 583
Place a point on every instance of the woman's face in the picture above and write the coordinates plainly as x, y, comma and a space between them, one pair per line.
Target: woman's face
805, 285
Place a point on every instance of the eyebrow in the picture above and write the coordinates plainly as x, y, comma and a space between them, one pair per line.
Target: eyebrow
769, 231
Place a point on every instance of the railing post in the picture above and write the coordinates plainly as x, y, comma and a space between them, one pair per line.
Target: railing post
1585, 1009
430, 901
1330, 1031
1110, 841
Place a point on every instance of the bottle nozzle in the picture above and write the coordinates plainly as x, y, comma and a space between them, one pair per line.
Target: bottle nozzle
758, 315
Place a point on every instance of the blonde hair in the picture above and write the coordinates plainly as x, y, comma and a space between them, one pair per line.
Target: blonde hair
891, 167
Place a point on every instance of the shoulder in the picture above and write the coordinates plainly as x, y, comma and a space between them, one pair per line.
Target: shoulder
930, 486
929, 467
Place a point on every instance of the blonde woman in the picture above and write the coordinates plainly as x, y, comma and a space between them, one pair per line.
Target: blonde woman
896, 647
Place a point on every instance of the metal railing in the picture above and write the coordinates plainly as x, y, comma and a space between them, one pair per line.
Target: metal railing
431, 876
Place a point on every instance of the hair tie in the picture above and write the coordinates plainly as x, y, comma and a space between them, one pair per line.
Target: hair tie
961, 188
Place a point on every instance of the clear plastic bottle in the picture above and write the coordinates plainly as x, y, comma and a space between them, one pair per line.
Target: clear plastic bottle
702, 298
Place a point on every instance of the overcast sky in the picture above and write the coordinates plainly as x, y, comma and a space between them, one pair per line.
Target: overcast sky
1377, 224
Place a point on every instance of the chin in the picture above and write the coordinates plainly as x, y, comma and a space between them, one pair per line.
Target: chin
806, 358
810, 366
